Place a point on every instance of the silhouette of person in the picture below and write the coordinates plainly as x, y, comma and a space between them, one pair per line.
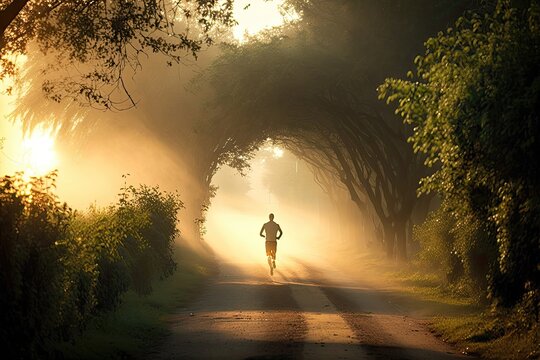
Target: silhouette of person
271, 230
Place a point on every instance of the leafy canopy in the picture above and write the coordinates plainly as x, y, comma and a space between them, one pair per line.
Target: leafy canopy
105, 39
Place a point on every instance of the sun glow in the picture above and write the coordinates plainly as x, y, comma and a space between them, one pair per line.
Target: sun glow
31, 152
255, 16
38, 155
277, 152
270, 149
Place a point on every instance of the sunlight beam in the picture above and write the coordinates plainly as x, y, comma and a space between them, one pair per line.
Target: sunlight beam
256, 16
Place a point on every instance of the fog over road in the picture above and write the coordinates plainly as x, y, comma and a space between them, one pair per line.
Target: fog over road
303, 311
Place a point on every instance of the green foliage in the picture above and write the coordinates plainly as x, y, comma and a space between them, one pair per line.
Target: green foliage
136, 327
437, 245
446, 248
32, 223
474, 112
155, 215
490, 336
60, 268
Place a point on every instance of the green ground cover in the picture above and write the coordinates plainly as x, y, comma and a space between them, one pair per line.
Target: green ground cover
471, 325
139, 325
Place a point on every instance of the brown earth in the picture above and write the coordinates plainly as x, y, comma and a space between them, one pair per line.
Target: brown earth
302, 312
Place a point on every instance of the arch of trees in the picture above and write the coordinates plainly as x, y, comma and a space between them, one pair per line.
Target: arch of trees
472, 104
312, 87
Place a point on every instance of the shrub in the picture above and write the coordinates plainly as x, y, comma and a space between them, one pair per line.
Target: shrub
60, 268
157, 232
32, 222
446, 247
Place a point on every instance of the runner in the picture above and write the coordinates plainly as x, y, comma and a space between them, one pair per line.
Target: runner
271, 230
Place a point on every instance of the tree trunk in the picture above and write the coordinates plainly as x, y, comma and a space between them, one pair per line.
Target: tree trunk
400, 228
389, 239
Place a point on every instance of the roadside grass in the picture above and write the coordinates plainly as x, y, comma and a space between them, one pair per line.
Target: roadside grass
138, 326
472, 327
453, 315
409, 280
485, 335
428, 286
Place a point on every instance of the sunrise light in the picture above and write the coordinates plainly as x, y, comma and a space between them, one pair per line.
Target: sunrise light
277, 152
256, 16
38, 155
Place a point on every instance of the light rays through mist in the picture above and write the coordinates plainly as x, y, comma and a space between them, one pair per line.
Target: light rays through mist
276, 184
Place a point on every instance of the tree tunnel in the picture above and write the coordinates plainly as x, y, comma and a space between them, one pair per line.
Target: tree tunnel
319, 227
348, 141
312, 88
379, 177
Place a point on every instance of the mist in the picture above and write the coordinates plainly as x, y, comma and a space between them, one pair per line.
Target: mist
280, 183
159, 142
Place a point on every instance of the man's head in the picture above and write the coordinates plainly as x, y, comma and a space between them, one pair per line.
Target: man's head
271, 217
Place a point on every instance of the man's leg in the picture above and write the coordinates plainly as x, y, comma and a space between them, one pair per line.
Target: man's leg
270, 265
270, 254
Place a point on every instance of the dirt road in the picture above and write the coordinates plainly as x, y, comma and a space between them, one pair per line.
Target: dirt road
302, 312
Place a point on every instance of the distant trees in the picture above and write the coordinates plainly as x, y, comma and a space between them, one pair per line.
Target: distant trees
474, 103
105, 39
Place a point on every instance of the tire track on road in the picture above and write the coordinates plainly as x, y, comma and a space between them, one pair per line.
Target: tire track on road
241, 315
380, 326
328, 336
389, 336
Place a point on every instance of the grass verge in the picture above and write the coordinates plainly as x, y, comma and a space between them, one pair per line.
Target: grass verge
455, 317
138, 327
485, 335
474, 328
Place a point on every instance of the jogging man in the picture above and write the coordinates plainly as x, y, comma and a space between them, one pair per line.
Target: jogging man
271, 230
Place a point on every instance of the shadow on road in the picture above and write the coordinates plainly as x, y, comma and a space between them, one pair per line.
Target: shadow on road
246, 314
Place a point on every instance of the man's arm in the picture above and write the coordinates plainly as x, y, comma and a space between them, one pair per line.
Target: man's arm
261, 233
280, 232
